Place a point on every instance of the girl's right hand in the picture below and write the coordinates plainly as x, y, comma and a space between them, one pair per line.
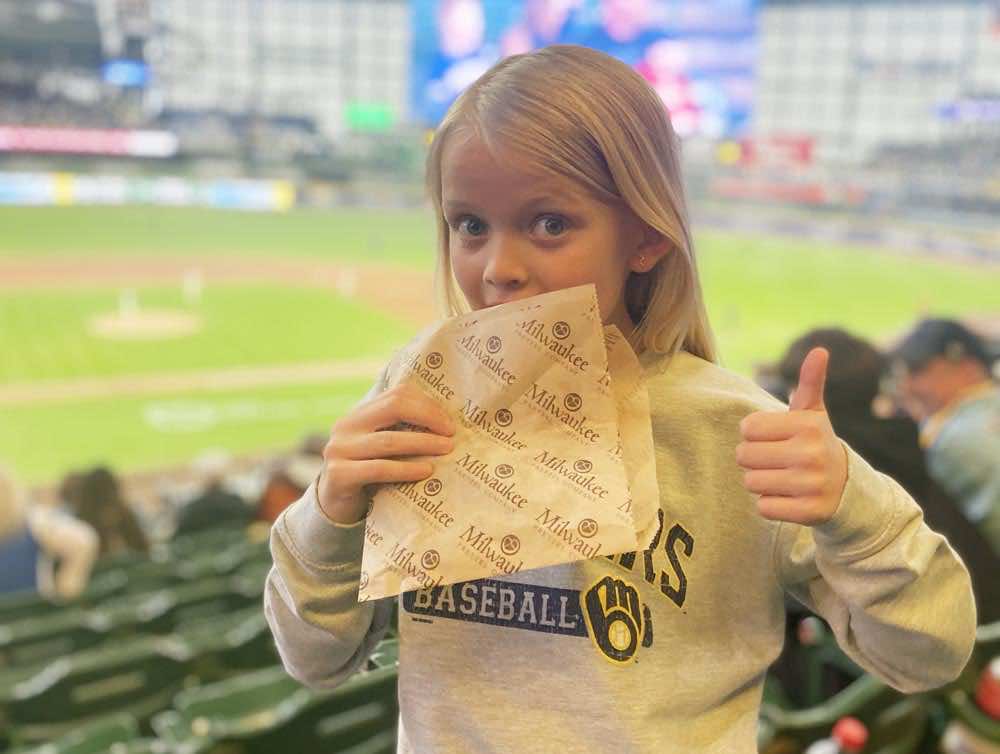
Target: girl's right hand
364, 443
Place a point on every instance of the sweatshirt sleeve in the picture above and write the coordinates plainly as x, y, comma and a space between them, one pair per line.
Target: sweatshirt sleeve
322, 633
896, 595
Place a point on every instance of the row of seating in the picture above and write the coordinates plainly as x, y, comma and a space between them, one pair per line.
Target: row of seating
74, 628
253, 713
212, 553
896, 723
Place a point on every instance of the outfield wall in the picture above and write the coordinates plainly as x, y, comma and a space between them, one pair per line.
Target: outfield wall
46, 189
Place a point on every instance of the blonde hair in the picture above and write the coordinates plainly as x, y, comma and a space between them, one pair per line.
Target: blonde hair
582, 115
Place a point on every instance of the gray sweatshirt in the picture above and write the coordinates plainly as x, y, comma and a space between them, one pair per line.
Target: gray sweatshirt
663, 650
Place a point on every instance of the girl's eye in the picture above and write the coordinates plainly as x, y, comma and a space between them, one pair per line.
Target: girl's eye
551, 225
471, 226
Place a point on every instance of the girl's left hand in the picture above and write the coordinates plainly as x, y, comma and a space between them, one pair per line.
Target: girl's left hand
793, 461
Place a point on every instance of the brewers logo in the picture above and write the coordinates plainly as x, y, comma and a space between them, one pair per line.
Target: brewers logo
616, 621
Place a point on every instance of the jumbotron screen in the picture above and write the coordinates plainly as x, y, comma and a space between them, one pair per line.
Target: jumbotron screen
699, 55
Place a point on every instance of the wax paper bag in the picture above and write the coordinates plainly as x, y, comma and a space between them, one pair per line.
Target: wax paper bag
553, 458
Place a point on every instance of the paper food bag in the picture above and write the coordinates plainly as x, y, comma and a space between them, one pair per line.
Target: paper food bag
553, 458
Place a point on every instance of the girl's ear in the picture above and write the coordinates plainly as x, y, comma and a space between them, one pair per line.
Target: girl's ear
652, 247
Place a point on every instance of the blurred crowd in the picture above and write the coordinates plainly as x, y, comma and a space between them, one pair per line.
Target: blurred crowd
52, 548
925, 412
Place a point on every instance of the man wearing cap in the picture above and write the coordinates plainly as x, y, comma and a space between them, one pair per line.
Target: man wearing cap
943, 379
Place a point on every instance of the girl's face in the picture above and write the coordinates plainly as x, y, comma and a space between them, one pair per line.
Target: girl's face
516, 233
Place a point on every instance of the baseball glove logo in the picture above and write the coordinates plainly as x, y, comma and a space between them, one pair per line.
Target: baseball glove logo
432, 487
617, 621
572, 401
434, 360
494, 344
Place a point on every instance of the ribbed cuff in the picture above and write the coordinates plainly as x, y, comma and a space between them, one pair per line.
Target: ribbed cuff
317, 537
865, 514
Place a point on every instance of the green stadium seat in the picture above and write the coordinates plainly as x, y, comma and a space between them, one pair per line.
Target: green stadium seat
137, 677
958, 697
211, 712
30, 604
251, 576
229, 560
94, 738
119, 562
267, 711
231, 643
385, 655
52, 635
864, 699
164, 610
199, 543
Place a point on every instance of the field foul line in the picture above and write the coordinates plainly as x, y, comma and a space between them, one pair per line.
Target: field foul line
127, 386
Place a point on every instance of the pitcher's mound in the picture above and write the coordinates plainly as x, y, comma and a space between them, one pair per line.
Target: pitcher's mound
148, 324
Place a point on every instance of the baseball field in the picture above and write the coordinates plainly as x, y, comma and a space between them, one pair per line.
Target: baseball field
142, 337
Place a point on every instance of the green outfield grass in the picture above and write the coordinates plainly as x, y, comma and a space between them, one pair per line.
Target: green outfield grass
45, 334
761, 294
42, 442
387, 236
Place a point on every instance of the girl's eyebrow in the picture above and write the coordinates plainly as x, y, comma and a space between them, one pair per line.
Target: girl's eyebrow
554, 197
457, 206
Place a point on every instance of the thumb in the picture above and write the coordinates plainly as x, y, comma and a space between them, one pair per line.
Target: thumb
808, 394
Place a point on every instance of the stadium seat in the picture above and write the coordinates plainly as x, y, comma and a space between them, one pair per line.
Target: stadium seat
31, 604
94, 738
199, 543
221, 563
959, 697
865, 699
164, 610
138, 677
386, 655
231, 643
267, 711
52, 635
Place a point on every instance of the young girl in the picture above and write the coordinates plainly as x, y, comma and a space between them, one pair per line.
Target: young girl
556, 169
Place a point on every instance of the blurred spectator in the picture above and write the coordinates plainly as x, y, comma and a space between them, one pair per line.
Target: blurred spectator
215, 505
288, 483
942, 379
95, 497
889, 442
42, 549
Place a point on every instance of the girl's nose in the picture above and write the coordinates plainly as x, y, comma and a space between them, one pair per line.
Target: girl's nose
505, 266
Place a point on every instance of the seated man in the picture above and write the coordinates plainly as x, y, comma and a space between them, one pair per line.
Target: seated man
943, 380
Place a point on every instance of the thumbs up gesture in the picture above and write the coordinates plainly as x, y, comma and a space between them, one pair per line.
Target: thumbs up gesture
792, 459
